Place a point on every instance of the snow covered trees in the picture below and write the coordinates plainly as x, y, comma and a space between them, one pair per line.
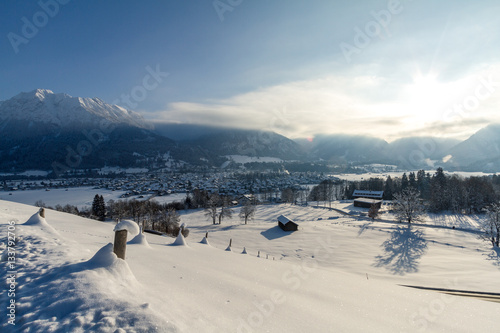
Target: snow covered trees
491, 226
247, 212
407, 206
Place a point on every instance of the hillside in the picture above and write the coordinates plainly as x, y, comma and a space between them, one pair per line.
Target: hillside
479, 152
335, 274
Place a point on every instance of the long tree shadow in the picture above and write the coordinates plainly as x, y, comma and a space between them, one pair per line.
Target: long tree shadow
402, 251
494, 256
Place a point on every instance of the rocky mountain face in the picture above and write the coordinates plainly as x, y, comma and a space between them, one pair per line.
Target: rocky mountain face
43, 130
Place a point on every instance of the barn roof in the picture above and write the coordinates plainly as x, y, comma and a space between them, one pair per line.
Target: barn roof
283, 219
368, 194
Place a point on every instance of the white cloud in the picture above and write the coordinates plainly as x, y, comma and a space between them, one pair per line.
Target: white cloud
357, 104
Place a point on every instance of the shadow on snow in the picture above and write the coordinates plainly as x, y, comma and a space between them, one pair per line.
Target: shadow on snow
494, 256
275, 233
402, 251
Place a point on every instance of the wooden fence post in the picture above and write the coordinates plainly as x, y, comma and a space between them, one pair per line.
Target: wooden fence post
120, 244
41, 212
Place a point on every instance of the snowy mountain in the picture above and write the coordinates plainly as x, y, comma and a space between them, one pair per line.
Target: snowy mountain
63, 111
420, 152
479, 152
348, 148
41, 129
250, 143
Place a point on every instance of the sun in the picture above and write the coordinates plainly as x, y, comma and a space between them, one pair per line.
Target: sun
425, 97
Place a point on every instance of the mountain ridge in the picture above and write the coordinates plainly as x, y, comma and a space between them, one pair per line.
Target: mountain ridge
40, 123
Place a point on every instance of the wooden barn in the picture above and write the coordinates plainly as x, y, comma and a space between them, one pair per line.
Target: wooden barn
286, 224
366, 199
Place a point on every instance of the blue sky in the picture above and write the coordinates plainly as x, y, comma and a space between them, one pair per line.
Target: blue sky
300, 68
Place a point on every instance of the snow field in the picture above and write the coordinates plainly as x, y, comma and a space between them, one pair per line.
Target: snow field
335, 274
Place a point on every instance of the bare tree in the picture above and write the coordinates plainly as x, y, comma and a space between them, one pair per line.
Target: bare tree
247, 212
491, 225
373, 213
224, 209
170, 221
212, 204
408, 206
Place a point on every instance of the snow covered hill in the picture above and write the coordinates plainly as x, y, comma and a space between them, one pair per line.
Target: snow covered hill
336, 274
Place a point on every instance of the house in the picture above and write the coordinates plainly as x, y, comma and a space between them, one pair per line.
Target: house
248, 198
286, 224
366, 199
367, 202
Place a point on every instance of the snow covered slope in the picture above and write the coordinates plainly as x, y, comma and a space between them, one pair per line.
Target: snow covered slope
334, 275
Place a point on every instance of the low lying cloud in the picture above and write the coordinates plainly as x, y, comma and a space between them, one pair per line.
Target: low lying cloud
361, 105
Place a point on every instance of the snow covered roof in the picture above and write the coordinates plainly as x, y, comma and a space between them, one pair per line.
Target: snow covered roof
368, 194
283, 219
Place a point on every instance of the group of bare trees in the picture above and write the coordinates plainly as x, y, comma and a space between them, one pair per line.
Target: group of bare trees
151, 214
219, 207
326, 191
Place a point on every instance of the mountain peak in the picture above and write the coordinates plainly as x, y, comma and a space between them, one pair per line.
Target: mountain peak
42, 93
63, 110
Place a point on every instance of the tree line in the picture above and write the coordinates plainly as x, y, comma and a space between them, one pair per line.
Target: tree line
440, 192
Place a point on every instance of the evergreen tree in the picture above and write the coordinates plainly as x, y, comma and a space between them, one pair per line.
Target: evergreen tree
404, 182
412, 181
99, 207
388, 188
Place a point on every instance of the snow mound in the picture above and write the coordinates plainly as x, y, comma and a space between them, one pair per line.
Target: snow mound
105, 257
140, 239
117, 269
205, 241
180, 240
244, 251
37, 220
129, 225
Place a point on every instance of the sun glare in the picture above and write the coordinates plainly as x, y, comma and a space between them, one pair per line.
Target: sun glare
425, 96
